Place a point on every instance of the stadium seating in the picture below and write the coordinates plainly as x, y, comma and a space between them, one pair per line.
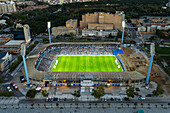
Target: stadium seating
49, 54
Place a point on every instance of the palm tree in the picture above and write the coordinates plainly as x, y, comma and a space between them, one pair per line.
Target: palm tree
162, 105
32, 106
77, 105
90, 105
109, 104
103, 105
122, 105
168, 104
57, 104
148, 105
135, 104
96, 105
18, 106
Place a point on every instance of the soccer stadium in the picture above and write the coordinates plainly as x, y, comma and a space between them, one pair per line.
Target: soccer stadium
85, 63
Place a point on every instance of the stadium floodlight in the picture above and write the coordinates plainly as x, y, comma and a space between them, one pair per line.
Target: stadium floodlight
152, 49
49, 26
123, 25
23, 49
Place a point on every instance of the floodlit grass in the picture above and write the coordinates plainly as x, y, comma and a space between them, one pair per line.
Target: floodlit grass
86, 64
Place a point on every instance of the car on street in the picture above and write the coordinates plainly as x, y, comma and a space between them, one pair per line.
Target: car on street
126, 99
141, 98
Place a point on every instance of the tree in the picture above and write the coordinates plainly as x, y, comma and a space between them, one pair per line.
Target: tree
110, 36
98, 92
45, 93
1, 93
1, 80
160, 34
119, 34
76, 93
158, 91
130, 92
31, 93
8, 93
135, 104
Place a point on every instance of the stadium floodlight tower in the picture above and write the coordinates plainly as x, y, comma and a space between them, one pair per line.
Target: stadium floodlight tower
152, 51
49, 26
23, 49
123, 25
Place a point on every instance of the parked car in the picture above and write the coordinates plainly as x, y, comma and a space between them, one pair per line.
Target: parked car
149, 95
22, 79
126, 99
9, 88
121, 99
73, 99
65, 99
137, 89
116, 99
55, 99
15, 86
91, 89
147, 87
49, 99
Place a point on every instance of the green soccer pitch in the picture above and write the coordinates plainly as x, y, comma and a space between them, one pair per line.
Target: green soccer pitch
86, 64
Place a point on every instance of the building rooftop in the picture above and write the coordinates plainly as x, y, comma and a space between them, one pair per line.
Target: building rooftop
15, 42
1, 39
71, 20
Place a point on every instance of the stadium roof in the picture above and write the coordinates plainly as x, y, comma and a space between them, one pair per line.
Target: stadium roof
2, 54
15, 42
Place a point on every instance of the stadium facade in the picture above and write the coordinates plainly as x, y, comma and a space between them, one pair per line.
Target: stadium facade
40, 64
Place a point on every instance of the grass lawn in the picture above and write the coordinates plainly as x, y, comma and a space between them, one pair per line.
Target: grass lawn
86, 64
163, 50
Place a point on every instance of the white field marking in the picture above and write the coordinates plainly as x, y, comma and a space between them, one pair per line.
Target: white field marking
85, 55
